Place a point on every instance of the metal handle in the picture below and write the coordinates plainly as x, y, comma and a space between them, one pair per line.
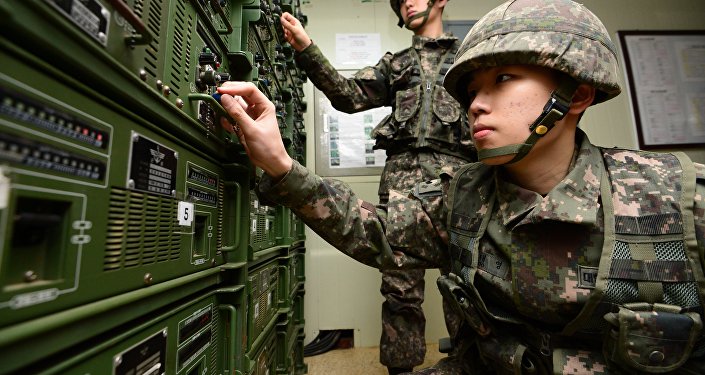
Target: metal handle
230, 356
143, 36
238, 205
214, 103
229, 28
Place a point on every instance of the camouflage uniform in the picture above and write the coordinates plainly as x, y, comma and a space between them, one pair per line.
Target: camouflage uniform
563, 232
426, 131
604, 274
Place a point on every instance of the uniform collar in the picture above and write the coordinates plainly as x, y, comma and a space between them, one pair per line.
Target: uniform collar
446, 40
574, 200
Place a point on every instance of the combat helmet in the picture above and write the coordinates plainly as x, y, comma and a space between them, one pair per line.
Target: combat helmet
557, 34
396, 7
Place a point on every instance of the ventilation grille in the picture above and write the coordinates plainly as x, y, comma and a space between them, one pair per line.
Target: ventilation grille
261, 236
258, 220
219, 227
154, 16
261, 319
221, 24
252, 44
141, 230
263, 26
138, 7
181, 47
216, 339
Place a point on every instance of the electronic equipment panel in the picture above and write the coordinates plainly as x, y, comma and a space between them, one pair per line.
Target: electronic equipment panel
131, 241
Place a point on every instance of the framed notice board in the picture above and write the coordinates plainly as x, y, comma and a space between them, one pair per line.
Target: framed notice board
666, 77
344, 142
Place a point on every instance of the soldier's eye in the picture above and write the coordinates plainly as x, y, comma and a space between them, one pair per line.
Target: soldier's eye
469, 98
503, 78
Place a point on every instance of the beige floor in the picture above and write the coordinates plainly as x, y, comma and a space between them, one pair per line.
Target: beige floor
359, 361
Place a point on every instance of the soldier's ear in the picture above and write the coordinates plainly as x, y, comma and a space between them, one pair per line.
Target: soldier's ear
440, 3
583, 98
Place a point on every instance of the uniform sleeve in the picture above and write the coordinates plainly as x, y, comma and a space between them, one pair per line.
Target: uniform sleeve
369, 87
699, 209
407, 233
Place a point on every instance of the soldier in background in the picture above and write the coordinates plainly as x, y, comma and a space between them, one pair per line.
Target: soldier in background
566, 257
426, 131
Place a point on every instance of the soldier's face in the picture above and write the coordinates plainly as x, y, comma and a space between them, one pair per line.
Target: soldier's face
408, 8
503, 102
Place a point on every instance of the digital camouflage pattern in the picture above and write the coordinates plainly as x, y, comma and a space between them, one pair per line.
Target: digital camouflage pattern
410, 230
539, 256
556, 34
533, 256
539, 259
426, 132
651, 340
424, 116
403, 341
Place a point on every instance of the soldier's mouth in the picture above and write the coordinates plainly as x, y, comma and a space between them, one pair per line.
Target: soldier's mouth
481, 131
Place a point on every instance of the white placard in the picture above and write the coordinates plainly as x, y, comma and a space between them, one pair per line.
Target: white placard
344, 146
186, 213
357, 49
666, 73
349, 138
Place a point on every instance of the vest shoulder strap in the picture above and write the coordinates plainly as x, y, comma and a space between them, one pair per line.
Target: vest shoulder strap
648, 255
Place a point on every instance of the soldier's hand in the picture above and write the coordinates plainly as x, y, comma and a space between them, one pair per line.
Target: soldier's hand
294, 32
256, 126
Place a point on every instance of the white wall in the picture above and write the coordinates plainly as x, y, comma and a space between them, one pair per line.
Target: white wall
343, 294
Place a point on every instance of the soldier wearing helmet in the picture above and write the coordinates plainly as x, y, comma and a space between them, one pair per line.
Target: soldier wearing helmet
426, 131
565, 257
409, 21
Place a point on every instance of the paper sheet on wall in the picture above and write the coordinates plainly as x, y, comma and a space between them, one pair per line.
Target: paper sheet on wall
348, 137
668, 79
357, 49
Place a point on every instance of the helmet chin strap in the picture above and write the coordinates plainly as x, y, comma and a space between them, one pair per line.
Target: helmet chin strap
555, 109
423, 14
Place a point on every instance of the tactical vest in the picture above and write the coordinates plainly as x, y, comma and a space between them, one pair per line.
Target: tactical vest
424, 115
644, 313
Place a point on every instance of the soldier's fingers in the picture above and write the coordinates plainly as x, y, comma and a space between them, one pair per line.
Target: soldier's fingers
246, 90
227, 125
238, 113
239, 100
288, 18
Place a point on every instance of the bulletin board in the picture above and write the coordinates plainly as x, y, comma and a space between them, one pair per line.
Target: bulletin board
459, 28
666, 78
344, 141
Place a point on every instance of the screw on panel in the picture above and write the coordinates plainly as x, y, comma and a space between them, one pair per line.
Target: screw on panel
30, 275
166, 91
148, 278
143, 74
130, 184
117, 361
160, 84
179, 103
135, 137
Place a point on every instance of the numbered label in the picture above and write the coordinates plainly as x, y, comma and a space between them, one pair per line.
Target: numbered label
186, 213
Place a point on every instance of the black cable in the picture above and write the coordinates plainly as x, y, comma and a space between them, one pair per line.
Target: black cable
325, 345
325, 341
322, 342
